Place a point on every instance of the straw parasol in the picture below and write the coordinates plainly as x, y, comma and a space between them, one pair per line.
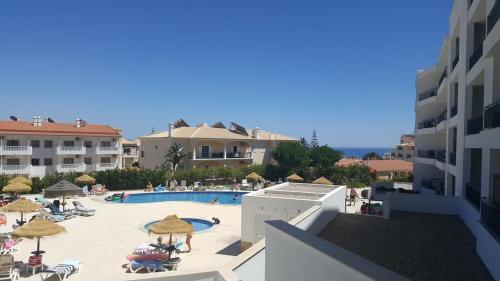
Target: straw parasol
63, 188
254, 177
294, 178
38, 228
22, 180
16, 187
85, 179
171, 225
322, 180
21, 205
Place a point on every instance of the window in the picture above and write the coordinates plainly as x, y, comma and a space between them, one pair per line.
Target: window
106, 160
14, 162
68, 143
12, 142
68, 161
48, 144
156, 146
235, 148
87, 161
205, 151
105, 143
87, 144
35, 162
47, 161
126, 150
142, 153
35, 143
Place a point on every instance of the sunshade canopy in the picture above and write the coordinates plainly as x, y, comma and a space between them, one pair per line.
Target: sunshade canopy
21, 179
22, 205
171, 225
294, 177
38, 228
62, 188
322, 180
85, 179
16, 187
254, 177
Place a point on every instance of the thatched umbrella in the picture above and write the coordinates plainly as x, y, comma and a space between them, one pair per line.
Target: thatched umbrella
322, 180
16, 187
63, 188
21, 205
171, 225
294, 178
22, 180
254, 177
85, 179
38, 228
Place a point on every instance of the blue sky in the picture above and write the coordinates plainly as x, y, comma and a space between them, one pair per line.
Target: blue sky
344, 68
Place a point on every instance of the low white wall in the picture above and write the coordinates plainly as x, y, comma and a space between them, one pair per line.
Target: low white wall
251, 264
296, 255
434, 204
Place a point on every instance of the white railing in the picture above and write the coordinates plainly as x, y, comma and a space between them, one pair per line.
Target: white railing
16, 150
106, 166
71, 168
108, 150
71, 150
15, 169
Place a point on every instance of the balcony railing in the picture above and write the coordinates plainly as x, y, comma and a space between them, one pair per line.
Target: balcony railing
71, 168
453, 110
240, 155
441, 117
455, 62
428, 94
493, 17
476, 55
16, 150
427, 124
490, 217
453, 158
15, 169
428, 184
492, 115
472, 195
430, 154
443, 76
108, 150
106, 166
220, 155
441, 156
71, 149
475, 125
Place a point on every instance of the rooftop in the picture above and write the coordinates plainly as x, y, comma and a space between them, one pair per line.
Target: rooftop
56, 129
415, 245
389, 165
296, 191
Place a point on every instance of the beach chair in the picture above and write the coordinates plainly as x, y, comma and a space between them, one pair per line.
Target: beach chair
80, 210
3, 219
149, 265
245, 184
62, 270
42, 201
8, 271
85, 191
159, 188
196, 186
173, 186
183, 185
172, 263
9, 246
190, 188
46, 215
55, 211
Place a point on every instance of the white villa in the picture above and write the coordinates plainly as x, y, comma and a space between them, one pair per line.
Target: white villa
42, 146
210, 146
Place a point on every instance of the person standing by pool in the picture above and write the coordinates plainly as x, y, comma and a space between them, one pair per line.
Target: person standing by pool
149, 187
188, 241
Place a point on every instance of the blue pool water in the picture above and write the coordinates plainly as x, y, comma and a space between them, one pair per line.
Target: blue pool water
198, 224
223, 197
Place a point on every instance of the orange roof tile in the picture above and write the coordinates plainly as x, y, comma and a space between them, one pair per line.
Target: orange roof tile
56, 129
347, 162
389, 165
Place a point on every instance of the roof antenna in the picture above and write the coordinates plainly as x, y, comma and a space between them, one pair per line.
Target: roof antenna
153, 130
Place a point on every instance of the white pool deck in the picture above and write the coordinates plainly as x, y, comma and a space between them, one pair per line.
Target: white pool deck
103, 241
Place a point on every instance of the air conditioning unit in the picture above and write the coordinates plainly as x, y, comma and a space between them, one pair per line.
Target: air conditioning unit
77, 138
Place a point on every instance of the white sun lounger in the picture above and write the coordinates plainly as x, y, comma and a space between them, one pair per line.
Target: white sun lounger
62, 270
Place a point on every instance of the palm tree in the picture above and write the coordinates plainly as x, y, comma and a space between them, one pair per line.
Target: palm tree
174, 156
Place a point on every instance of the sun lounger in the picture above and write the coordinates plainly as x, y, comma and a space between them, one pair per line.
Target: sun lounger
85, 191
173, 186
55, 211
172, 263
8, 271
55, 218
62, 270
81, 210
159, 188
149, 265
245, 184
9, 246
42, 201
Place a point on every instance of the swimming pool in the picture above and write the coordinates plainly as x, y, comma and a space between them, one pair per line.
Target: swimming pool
199, 225
223, 197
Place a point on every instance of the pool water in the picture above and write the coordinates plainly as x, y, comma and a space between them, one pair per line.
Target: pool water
223, 197
198, 224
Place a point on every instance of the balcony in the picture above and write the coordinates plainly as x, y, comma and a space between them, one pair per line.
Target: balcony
428, 94
490, 217
107, 150
453, 111
453, 158
442, 117
492, 115
220, 156
428, 184
106, 166
454, 63
15, 169
66, 168
493, 17
473, 195
475, 125
16, 150
476, 55
443, 76
429, 154
71, 150
427, 124
240, 155
441, 156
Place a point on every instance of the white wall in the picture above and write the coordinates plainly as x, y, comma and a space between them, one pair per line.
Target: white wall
434, 204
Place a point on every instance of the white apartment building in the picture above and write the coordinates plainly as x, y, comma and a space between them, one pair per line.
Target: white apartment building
405, 150
44, 147
130, 152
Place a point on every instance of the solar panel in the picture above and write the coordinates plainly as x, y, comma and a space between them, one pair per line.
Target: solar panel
218, 125
180, 123
235, 128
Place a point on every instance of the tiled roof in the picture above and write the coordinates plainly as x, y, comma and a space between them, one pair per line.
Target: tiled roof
348, 162
389, 165
56, 129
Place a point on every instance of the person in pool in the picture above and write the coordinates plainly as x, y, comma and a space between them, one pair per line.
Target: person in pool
216, 201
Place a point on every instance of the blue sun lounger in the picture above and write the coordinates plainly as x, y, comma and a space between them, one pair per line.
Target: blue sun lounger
149, 265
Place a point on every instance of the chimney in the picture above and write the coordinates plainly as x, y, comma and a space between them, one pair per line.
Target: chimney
170, 128
256, 132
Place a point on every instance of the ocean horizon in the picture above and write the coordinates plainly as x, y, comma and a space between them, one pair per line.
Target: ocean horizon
361, 151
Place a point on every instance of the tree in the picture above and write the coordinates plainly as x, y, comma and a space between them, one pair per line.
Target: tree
372, 156
314, 139
323, 158
352, 176
174, 156
304, 142
291, 156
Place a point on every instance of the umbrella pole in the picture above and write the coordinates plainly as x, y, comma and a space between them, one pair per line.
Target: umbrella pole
64, 204
169, 243
21, 216
38, 247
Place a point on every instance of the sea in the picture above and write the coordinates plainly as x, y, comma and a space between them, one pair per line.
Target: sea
361, 151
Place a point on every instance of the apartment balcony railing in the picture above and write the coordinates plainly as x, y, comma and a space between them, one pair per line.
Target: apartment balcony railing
453, 158
106, 166
441, 156
65, 168
68, 150
455, 62
15, 169
239, 155
428, 184
490, 217
475, 125
427, 124
428, 94
430, 154
493, 17
473, 195
107, 150
492, 115
220, 155
453, 111
476, 55
470, 3
16, 150
443, 76
442, 117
